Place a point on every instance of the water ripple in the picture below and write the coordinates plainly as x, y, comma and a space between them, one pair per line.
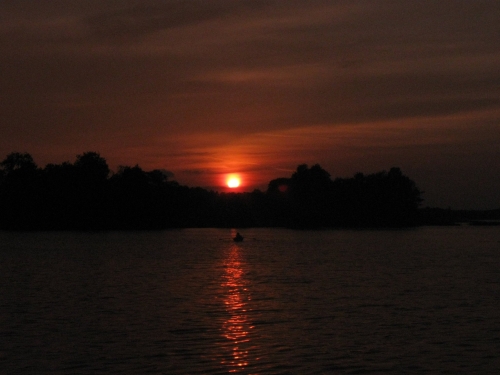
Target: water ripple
194, 302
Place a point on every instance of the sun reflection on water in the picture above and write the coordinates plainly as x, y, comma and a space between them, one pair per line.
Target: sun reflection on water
236, 328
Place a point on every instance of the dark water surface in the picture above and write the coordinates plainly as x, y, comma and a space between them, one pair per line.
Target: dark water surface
281, 302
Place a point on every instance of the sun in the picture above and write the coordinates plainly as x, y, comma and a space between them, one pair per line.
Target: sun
233, 182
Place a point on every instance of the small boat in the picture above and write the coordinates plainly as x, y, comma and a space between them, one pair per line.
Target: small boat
238, 237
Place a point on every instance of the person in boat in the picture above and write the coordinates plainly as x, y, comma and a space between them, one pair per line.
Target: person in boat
238, 237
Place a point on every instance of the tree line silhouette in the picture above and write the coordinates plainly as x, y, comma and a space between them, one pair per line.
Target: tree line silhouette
86, 195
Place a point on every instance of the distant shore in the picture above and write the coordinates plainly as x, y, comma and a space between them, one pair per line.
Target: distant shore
448, 216
87, 195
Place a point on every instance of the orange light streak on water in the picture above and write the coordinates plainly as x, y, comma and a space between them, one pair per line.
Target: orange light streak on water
237, 327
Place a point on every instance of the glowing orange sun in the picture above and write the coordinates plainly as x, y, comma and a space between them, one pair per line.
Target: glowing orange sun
233, 182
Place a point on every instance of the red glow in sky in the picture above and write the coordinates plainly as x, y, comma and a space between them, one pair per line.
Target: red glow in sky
210, 88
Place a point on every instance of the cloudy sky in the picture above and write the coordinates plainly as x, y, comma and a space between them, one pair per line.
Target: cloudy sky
205, 88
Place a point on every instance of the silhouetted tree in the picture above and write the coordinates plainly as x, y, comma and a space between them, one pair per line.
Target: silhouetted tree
89, 178
278, 186
91, 167
18, 191
311, 196
278, 201
379, 199
139, 199
61, 193
83, 195
17, 161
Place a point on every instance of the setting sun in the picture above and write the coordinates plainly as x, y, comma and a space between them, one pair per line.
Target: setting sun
233, 182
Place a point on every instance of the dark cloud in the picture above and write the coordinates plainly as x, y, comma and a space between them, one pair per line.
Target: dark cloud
147, 17
156, 75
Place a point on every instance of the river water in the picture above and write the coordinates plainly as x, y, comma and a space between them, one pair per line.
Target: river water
192, 301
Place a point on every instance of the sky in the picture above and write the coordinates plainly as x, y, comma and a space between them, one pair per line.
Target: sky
205, 88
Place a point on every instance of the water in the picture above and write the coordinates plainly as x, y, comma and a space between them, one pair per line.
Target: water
192, 301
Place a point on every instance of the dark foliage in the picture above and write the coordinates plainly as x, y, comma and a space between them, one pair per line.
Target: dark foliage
86, 195
311, 199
